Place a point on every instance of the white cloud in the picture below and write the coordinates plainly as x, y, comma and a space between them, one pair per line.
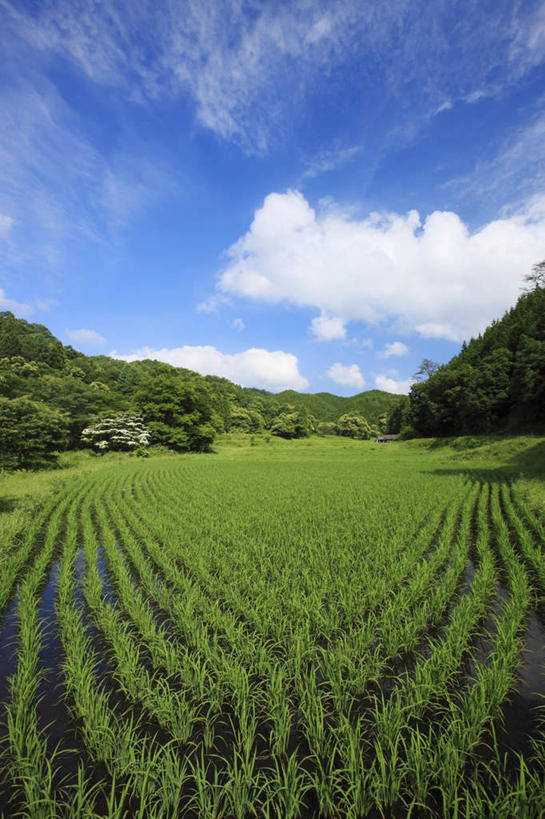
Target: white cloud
238, 324
88, 337
18, 307
330, 160
327, 328
247, 65
347, 374
213, 303
46, 304
445, 106
6, 224
267, 369
382, 382
395, 348
434, 276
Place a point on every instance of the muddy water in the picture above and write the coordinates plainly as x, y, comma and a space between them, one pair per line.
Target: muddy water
523, 714
8, 649
51, 707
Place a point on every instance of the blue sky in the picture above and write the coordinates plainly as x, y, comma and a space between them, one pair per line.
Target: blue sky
309, 195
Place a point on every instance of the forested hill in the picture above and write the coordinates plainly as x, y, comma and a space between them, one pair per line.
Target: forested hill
183, 408
497, 381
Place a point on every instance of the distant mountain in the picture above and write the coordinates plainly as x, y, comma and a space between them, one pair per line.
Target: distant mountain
372, 404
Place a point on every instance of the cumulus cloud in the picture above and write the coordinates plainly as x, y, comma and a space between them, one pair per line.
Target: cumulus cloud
18, 307
273, 370
88, 337
432, 275
395, 348
349, 375
383, 382
327, 328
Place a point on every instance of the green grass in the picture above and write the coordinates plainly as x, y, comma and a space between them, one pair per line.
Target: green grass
279, 628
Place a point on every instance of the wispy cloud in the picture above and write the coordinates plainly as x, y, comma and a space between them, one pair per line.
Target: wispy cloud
88, 338
247, 65
513, 173
330, 160
17, 307
6, 224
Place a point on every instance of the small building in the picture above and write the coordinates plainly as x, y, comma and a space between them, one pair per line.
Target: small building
384, 439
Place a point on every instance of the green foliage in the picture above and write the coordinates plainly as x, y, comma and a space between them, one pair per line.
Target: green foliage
122, 432
327, 428
178, 412
30, 432
496, 382
182, 409
245, 420
33, 342
292, 425
352, 425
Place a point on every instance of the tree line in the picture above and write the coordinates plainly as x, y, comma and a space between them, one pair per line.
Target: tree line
495, 383
53, 397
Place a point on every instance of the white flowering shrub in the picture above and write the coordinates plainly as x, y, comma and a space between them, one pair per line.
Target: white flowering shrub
121, 431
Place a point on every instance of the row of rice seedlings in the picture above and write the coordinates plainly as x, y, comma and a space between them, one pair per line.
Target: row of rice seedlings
324, 770
146, 779
297, 651
284, 735
178, 598
533, 520
226, 677
31, 766
400, 628
399, 768
240, 783
399, 565
17, 558
263, 582
532, 554
151, 691
450, 751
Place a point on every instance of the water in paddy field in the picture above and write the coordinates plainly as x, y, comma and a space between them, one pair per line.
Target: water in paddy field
525, 711
8, 648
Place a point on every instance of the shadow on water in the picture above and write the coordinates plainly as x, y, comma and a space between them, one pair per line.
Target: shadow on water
8, 649
54, 716
523, 714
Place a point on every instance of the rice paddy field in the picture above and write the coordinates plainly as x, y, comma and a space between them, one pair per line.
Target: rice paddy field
325, 628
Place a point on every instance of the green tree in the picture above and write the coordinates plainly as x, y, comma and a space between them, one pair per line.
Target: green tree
352, 425
536, 278
177, 410
291, 425
30, 432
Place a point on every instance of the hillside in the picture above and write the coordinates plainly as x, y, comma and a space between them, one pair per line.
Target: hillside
37, 366
372, 404
496, 382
